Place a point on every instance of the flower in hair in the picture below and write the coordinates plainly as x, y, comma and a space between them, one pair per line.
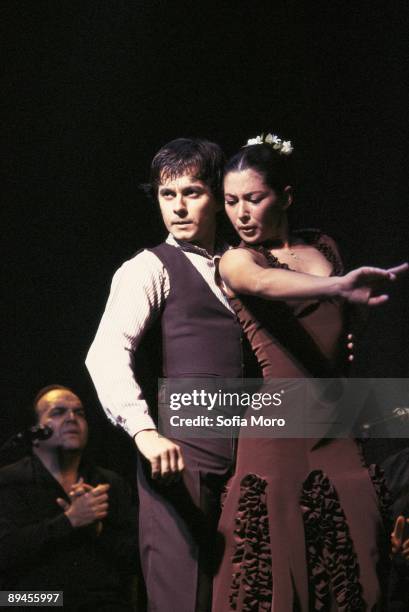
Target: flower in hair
256, 140
273, 140
284, 147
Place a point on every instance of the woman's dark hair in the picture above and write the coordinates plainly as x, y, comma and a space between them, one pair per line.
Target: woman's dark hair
275, 168
204, 159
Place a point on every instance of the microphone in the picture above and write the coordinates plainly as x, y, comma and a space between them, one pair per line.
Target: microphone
400, 412
38, 432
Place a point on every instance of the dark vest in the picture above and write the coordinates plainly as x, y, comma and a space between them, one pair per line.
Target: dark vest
200, 336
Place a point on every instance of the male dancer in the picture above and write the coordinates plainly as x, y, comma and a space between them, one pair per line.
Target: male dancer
201, 338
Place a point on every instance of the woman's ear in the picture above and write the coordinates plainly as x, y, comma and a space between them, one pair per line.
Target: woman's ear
288, 197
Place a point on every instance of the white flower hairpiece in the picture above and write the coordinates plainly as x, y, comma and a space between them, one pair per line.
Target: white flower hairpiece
256, 140
284, 147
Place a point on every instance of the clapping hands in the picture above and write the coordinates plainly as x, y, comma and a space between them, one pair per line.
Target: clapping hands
87, 504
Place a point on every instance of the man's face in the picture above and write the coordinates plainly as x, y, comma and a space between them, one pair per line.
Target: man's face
63, 412
188, 209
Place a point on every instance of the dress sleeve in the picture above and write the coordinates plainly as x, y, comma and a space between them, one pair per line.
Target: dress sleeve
328, 247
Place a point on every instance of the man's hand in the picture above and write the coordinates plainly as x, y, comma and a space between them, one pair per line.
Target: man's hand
398, 545
87, 507
79, 488
361, 286
164, 455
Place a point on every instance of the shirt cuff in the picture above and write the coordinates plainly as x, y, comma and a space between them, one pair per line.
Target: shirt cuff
145, 422
132, 424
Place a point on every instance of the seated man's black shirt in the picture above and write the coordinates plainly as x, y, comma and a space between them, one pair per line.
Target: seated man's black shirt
40, 550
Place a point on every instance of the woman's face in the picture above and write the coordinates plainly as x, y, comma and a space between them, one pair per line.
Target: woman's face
255, 210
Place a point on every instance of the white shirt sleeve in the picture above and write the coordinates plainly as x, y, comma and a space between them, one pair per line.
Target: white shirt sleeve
138, 290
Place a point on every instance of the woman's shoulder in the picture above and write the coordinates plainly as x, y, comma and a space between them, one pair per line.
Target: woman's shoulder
237, 254
324, 243
243, 253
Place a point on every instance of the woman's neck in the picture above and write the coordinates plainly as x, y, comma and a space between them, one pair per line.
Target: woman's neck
280, 238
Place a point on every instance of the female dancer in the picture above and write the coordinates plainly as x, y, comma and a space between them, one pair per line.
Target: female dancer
302, 518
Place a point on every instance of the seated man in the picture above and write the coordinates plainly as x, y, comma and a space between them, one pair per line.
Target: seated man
397, 478
66, 525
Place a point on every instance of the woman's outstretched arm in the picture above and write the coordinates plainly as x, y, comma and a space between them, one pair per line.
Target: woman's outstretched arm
241, 273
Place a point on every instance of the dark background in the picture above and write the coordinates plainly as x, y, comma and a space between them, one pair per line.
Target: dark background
92, 89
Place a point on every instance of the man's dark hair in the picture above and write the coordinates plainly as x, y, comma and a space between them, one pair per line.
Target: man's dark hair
32, 410
202, 158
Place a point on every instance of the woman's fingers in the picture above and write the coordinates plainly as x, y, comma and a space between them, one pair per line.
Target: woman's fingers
398, 270
376, 300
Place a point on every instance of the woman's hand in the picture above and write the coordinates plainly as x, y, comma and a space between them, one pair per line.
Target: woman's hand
361, 285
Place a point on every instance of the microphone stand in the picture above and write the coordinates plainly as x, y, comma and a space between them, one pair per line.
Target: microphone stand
26, 438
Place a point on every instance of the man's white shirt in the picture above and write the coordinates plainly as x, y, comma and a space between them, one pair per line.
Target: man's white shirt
139, 289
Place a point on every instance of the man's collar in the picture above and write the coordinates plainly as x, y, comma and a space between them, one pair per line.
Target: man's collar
83, 468
188, 247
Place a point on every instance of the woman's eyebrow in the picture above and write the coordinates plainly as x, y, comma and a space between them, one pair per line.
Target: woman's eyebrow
246, 195
250, 193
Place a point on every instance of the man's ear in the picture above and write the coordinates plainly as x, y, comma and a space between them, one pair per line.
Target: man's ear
288, 197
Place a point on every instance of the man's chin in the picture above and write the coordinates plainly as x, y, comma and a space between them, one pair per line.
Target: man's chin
72, 446
187, 234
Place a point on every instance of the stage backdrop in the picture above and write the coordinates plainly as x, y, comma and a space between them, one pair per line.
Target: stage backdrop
92, 89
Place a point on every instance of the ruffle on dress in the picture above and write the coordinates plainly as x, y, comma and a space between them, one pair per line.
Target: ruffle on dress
252, 582
384, 497
332, 562
385, 508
